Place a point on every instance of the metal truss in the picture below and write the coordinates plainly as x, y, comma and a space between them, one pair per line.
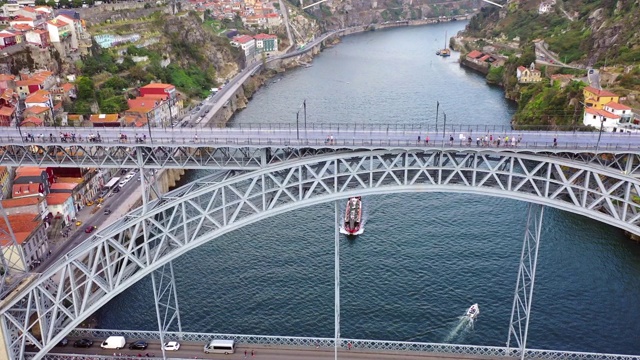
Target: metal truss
13, 264
111, 260
523, 297
166, 301
253, 154
327, 343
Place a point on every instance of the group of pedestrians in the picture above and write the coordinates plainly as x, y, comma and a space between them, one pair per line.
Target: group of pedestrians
490, 141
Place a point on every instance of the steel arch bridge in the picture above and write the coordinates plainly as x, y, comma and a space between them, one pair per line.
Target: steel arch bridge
58, 300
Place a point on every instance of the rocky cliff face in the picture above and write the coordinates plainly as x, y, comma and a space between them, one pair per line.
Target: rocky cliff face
584, 32
190, 44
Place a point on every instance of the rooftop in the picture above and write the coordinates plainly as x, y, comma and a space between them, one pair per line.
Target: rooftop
22, 226
101, 118
27, 201
617, 106
57, 198
600, 92
158, 86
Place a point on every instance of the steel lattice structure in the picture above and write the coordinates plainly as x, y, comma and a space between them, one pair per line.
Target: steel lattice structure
248, 154
52, 305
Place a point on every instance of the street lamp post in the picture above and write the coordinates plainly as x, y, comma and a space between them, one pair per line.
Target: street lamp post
600, 133
437, 110
297, 125
444, 127
304, 105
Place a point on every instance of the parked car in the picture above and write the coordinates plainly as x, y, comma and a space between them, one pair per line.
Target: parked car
83, 343
116, 190
63, 342
171, 346
90, 229
138, 345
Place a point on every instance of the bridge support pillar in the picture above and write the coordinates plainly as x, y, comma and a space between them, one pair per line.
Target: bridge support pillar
521, 310
337, 282
166, 300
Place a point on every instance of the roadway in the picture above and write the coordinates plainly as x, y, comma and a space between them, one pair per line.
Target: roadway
316, 136
119, 203
211, 105
262, 352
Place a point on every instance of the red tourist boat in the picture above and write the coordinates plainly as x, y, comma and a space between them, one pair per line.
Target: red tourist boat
353, 216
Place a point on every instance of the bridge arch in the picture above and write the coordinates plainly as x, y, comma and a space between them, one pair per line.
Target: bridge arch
129, 249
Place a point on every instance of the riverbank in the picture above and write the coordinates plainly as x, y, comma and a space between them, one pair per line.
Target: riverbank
242, 96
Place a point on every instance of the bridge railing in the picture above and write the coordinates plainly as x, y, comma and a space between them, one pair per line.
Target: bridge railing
347, 127
218, 141
355, 344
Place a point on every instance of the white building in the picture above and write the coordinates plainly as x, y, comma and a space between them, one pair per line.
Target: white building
598, 117
58, 30
61, 206
246, 43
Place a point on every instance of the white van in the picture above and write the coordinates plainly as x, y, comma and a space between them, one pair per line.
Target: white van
114, 342
220, 347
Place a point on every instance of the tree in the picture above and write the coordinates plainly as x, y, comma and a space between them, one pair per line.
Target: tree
52, 4
76, 3
29, 59
86, 89
65, 3
41, 2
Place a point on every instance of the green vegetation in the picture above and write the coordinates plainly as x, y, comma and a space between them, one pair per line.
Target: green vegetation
541, 104
495, 75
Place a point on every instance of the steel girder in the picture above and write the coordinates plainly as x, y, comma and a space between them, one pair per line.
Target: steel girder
523, 297
116, 257
247, 156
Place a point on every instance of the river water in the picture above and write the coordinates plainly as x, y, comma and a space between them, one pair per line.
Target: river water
424, 258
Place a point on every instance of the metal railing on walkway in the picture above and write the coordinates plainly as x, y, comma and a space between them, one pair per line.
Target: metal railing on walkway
356, 344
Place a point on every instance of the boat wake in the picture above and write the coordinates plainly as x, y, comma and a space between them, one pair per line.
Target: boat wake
463, 325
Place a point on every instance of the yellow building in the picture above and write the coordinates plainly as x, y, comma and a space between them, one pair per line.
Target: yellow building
598, 98
528, 75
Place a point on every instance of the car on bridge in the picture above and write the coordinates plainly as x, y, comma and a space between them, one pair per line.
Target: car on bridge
171, 346
138, 345
83, 343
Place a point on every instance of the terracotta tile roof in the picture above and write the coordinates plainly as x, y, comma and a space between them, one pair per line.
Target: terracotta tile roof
140, 109
26, 201
57, 198
5, 35
103, 118
143, 102
243, 39
7, 111
155, 96
36, 109
158, 86
600, 92
474, 54
22, 27
27, 82
25, 190
617, 106
22, 226
40, 96
31, 120
21, 18
600, 112
63, 186
67, 87
484, 58
29, 171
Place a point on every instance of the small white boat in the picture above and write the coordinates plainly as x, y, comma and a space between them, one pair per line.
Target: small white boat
473, 312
